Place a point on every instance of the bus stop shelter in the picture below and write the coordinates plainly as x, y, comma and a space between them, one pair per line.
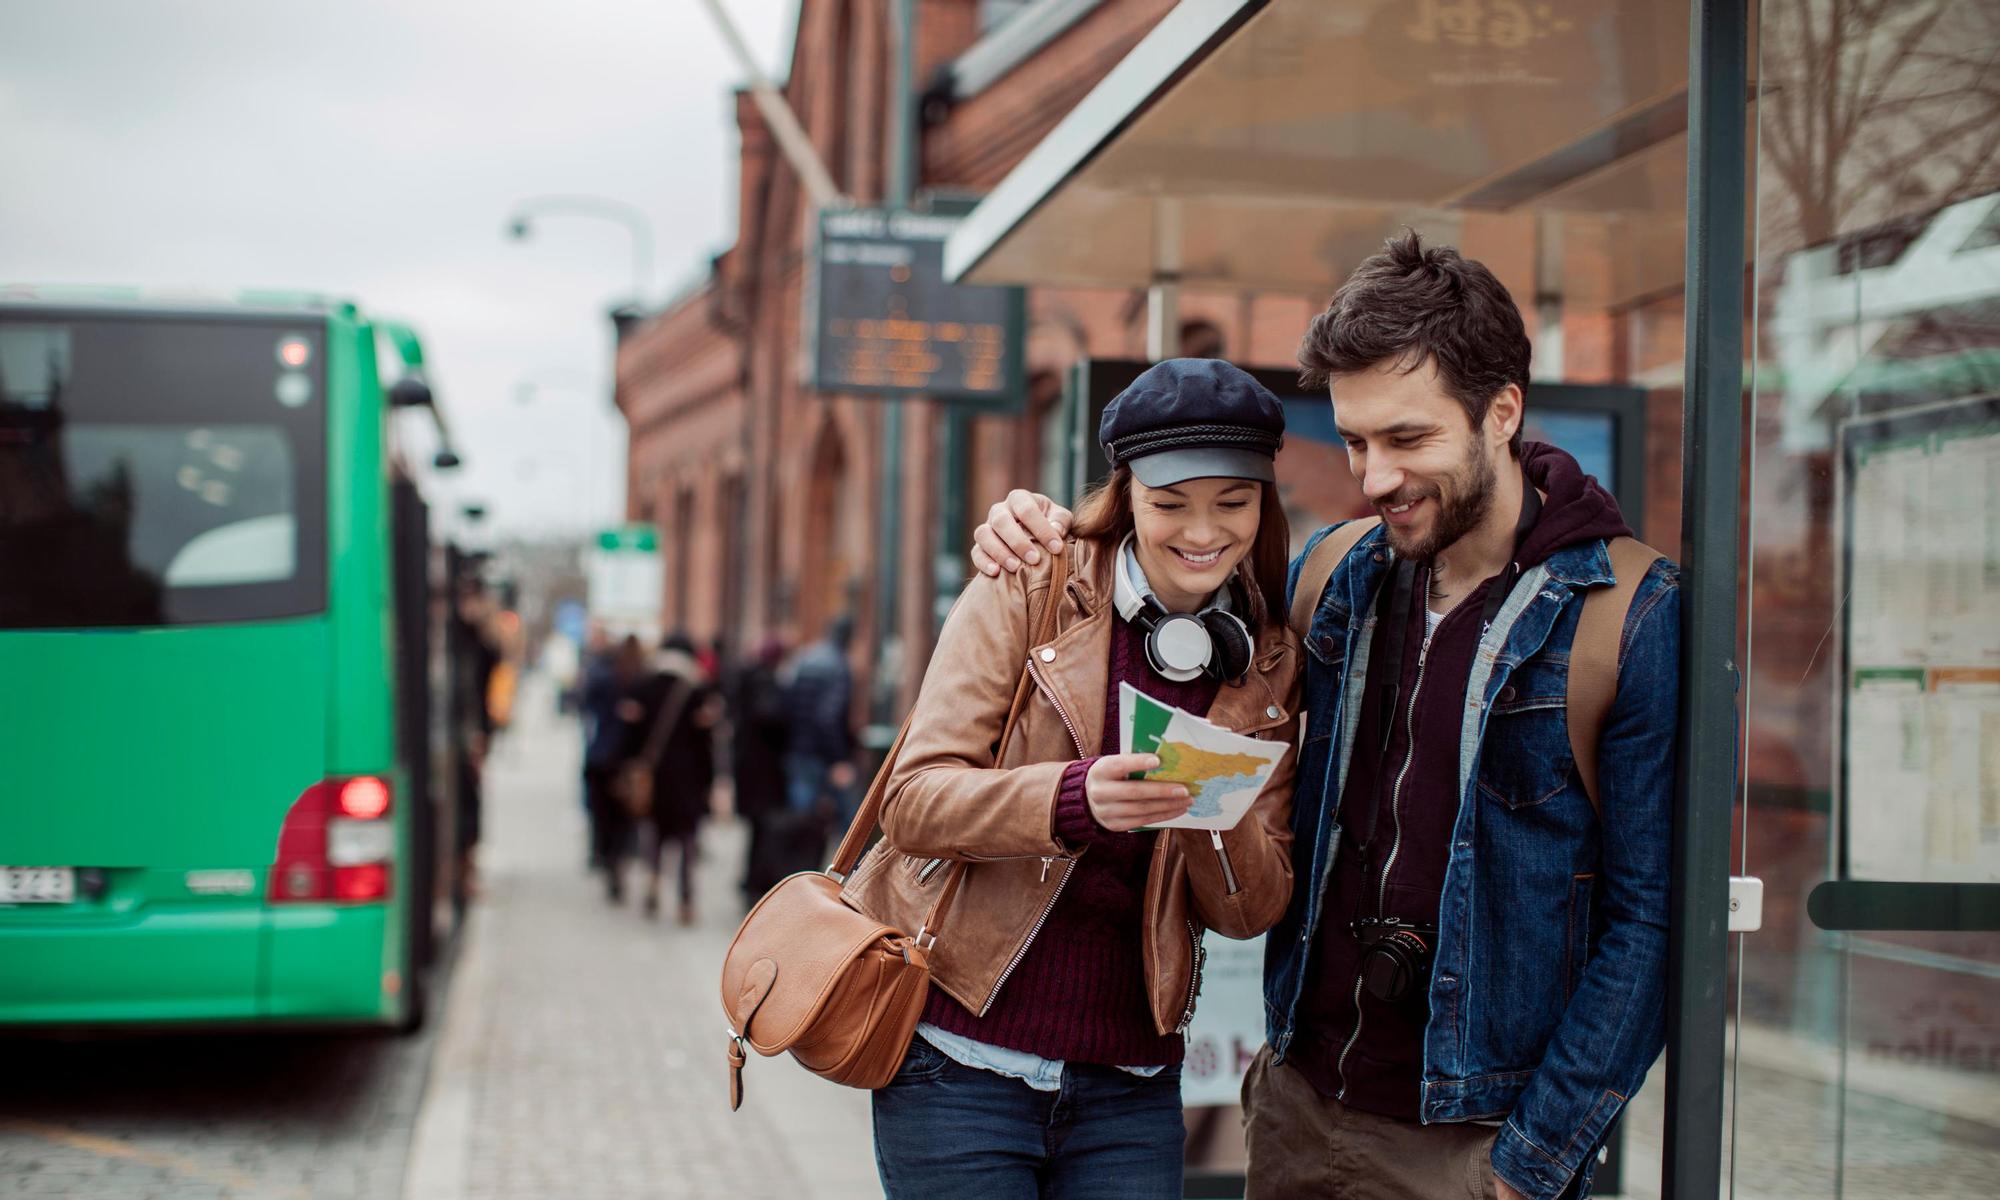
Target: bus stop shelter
1592, 153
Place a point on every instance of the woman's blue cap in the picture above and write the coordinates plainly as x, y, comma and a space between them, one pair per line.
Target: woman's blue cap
1194, 418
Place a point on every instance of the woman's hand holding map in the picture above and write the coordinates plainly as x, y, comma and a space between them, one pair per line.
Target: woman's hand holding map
1121, 803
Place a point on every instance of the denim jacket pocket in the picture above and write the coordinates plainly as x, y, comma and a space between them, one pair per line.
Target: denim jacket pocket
1328, 638
1524, 760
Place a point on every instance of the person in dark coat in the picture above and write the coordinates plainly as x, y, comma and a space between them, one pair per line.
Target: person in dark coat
689, 703
608, 683
759, 737
819, 766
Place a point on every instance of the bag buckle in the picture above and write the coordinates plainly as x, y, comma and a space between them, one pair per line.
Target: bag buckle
922, 931
834, 875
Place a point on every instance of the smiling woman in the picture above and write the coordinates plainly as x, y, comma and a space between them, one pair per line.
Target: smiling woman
1058, 969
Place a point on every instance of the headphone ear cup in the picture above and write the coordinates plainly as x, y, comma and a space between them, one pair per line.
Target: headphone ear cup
1233, 644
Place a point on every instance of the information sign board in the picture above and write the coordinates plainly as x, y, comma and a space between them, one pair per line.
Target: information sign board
626, 580
1920, 735
882, 319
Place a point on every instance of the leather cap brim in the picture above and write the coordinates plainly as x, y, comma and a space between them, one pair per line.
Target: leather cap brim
1170, 467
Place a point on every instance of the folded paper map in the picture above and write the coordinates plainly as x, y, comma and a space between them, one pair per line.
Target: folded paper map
1223, 771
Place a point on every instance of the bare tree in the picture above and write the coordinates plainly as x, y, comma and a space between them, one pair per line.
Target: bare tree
1874, 108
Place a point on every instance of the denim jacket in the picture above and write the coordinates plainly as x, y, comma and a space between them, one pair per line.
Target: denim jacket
1548, 997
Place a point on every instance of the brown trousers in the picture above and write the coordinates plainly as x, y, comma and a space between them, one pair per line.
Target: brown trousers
1304, 1144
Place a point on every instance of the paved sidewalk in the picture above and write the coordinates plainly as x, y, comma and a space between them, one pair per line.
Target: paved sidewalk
582, 1049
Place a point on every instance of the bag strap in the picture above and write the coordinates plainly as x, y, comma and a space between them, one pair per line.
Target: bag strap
1318, 569
1043, 626
671, 706
1593, 656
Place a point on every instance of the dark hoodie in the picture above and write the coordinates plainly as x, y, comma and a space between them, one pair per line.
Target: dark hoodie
1410, 836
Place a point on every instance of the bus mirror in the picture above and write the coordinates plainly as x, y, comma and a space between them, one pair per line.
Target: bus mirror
410, 392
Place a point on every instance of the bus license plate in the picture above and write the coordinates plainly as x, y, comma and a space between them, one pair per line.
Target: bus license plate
37, 885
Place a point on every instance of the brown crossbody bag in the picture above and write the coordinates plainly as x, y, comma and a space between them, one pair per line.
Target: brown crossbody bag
839, 989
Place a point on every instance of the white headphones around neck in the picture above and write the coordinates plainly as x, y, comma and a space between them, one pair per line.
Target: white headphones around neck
1182, 646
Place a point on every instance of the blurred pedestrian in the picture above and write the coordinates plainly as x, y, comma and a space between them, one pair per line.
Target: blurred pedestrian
1047, 1061
759, 738
819, 762
675, 735
475, 658
607, 704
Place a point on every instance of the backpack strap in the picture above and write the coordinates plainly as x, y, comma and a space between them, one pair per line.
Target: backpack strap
1318, 569
1593, 656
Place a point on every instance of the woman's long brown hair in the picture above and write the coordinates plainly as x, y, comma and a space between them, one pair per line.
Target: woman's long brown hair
1104, 515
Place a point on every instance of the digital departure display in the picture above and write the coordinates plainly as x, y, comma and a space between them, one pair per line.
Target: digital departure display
885, 321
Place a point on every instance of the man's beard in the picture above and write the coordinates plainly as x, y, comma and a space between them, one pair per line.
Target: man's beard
1464, 498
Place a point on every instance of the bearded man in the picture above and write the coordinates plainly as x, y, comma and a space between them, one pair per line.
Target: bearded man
1470, 982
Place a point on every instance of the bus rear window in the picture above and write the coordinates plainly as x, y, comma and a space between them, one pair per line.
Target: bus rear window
160, 471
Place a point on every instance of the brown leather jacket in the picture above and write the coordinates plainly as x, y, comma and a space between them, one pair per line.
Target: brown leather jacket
948, 801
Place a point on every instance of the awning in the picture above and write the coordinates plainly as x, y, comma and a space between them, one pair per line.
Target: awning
1271, 144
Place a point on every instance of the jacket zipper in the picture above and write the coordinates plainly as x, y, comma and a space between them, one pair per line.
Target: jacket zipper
1229, 884
1340, 1067
1075, 738
1069, 864
1194, 978
1068, 867
1396, 793
1395, 843
929, 869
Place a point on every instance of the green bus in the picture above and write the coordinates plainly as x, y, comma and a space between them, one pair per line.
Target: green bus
221, 787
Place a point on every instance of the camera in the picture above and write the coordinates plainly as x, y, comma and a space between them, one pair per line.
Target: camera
1395, 956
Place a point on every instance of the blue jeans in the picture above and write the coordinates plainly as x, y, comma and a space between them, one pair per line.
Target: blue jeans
943, 1129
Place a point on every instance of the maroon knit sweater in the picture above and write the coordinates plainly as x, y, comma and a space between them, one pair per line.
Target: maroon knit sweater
1079, 993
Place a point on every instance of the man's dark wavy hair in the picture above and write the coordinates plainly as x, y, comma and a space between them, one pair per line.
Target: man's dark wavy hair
1411, 305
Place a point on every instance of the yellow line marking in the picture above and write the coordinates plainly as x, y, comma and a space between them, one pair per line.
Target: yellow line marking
106, 1147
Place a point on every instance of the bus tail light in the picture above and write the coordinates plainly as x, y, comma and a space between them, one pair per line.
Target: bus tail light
336, 843
364, 797
369, 881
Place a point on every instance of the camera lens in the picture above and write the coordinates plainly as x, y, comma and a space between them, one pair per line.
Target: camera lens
1394, 966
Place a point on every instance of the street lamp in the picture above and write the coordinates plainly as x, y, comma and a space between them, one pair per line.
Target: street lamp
520, 226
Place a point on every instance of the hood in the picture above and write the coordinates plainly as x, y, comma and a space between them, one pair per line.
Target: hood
1575, 507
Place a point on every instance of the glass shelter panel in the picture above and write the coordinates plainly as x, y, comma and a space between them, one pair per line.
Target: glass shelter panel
1866, 1055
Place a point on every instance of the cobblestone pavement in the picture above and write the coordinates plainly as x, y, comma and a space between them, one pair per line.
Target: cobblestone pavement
582, 1051
242, 1117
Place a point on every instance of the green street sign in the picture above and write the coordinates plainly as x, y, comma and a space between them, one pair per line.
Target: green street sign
643, 539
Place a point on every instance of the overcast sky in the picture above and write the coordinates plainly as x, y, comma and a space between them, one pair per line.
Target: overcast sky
375, 150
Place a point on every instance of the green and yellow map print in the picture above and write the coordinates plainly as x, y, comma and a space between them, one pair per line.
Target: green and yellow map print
1224, 772
1209, 776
